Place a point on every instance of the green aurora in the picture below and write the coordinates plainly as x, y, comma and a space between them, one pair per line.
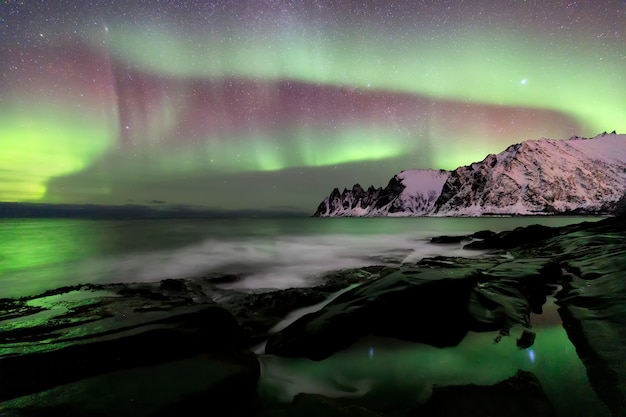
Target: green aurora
138, 97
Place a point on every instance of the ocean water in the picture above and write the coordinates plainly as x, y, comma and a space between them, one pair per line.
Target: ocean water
41, 254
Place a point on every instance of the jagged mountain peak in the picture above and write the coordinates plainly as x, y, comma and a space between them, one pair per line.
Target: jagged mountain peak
411, 192
356, 188
584, 175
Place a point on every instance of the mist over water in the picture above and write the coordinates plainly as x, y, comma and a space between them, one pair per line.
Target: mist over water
38, 255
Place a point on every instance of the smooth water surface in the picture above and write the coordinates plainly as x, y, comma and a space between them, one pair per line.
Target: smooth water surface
396, 374
41, 254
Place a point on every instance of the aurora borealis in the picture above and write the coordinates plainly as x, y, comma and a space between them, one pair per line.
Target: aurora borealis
270, 104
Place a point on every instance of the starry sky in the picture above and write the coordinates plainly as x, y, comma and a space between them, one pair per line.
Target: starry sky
269, 104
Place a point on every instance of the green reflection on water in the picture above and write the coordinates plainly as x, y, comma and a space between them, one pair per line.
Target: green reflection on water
35, 245
390, 374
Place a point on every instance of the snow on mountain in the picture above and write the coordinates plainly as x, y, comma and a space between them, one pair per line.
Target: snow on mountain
539, 177
409, 193
542, 176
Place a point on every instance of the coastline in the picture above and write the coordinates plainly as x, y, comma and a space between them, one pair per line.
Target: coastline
175, 311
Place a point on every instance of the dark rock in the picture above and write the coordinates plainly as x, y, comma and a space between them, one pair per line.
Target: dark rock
259, 312
112, 344
447, 239
339, 280
436, 303
526, 340
176, 285
217, 279
314, 405
517, 237
167, 349
483, 234
593, 256
480, 235
593, 311
124, 350
509, 291
497, 306
444, 297
221, 384
620, 206
390, 193
518, 396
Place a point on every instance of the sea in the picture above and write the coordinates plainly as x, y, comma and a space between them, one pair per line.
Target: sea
42, 254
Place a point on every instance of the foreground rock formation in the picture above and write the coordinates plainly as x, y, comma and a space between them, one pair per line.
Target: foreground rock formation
168, 348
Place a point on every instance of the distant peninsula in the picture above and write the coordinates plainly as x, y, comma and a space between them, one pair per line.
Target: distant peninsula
131, 211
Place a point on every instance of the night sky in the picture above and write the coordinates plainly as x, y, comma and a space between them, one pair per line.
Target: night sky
270, 104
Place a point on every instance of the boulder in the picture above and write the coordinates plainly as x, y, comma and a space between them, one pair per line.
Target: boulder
519, 396
64, 360
413, 304
435, 302
127, 350
315, 405
593, 310
514, 238
221, 384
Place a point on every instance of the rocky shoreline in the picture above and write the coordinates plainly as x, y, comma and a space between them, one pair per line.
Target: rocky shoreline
185, 344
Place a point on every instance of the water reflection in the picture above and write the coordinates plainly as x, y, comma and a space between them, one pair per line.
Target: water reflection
389, 374
33, 252
41, 254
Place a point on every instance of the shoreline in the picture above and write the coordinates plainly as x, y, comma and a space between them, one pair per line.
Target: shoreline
77, 321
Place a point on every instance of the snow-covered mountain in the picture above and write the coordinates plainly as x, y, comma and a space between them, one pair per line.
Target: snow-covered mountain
409, 193
542, 176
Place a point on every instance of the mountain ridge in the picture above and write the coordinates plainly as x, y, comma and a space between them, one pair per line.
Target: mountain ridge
543, 176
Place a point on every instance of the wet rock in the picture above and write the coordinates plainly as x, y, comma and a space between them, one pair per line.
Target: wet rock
258, 312
480, 235
315, 405
526, 340
517, 237
497, 306
593, 299
73, 354
483, 234
593, 311
338, 280
434, 302
167, 348
218, 279
175, 285
221, 384
518, 396
443, 297
508, 291
447, 239
124, 350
